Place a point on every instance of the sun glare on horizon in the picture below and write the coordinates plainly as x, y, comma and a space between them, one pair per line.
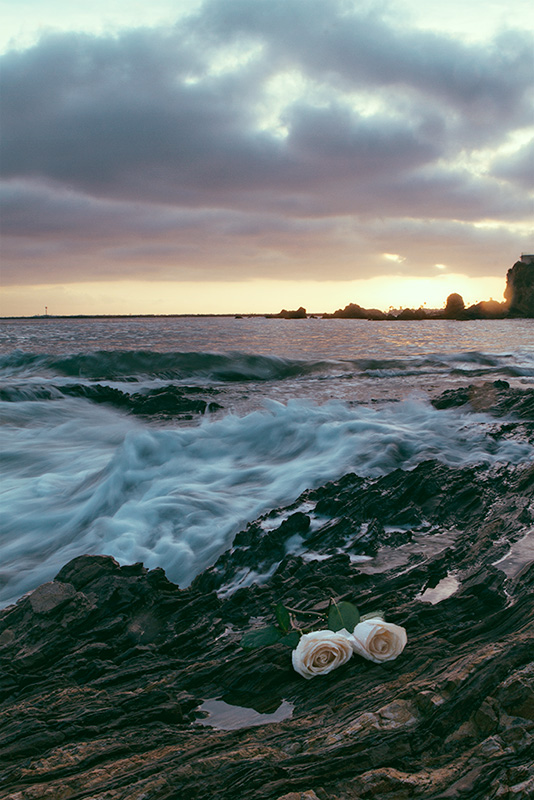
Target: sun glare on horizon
253, 297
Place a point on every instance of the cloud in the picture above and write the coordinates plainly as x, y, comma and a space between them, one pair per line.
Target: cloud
334, 41
249, 133
517, 168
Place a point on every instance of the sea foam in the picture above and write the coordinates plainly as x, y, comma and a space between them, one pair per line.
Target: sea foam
81, 478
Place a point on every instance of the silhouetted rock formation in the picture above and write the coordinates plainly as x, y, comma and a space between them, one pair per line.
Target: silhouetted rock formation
354, 311
300, 313
455, 307
412, 313
351, 311
375, 313
487, 309
519, 292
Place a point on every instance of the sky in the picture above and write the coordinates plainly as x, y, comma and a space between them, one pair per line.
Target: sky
233, 156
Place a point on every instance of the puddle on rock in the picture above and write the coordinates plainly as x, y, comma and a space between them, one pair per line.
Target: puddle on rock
445, 588
423, 545
226, 717
519, 557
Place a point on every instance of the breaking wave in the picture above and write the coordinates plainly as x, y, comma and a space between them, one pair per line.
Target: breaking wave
83, 478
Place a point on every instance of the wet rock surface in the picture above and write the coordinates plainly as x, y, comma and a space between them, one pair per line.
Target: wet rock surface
106, 669
170, 401
496, 398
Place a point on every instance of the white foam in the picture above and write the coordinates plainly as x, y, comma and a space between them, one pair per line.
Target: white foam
81, 478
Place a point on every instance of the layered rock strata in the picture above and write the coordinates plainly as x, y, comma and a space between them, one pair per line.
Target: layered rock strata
107, 669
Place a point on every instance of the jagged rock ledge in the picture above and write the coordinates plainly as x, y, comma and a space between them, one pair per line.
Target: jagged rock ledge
164, 402
105, 669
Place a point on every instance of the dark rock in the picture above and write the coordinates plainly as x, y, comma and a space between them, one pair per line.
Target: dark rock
412, 313
105, 669
519, 292
354, 311
498, 399
164, 402
83, 570
375, 314
300, 313
487, 309
351, 311
454, 307
167, 401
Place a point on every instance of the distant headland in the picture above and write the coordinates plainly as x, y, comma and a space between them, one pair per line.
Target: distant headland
518, 303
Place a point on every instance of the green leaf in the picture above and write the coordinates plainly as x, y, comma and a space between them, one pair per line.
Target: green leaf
343, 615
291, 639
373, 615
282, 617
261, 638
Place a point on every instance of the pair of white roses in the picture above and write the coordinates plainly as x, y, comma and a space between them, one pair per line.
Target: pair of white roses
320, 652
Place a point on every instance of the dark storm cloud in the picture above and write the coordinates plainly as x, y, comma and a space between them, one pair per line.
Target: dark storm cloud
113, 141
105, 131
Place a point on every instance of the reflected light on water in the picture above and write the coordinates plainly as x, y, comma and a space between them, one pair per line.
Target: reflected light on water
225, 717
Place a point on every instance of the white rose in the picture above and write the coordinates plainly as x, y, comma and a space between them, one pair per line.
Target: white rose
320, 652
378, 640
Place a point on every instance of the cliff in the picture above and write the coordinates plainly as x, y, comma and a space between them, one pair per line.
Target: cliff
519, 292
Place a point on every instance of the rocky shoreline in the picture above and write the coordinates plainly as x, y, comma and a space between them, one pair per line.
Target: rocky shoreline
518, 303
111, 675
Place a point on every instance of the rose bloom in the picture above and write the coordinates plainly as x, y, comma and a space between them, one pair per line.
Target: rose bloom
378, 641
320, 652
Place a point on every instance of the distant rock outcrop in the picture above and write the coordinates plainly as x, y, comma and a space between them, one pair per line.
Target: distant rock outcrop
354, 311
455, 307
412, 313
519, 292
487, 309
300, 313
351, 311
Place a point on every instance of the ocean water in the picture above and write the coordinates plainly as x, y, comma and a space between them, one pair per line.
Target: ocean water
294, 403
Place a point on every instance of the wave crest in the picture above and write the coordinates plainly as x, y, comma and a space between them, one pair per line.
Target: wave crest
137, 364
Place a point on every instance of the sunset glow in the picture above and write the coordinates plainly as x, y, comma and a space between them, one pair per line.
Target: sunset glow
254, 297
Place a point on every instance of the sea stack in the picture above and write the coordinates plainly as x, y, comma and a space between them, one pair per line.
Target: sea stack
519, 292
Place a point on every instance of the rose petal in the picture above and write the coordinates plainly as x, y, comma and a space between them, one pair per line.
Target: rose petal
379, 641
319, 652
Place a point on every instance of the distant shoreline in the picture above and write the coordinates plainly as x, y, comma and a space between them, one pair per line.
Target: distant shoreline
127, 316
270, 316
518, 304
